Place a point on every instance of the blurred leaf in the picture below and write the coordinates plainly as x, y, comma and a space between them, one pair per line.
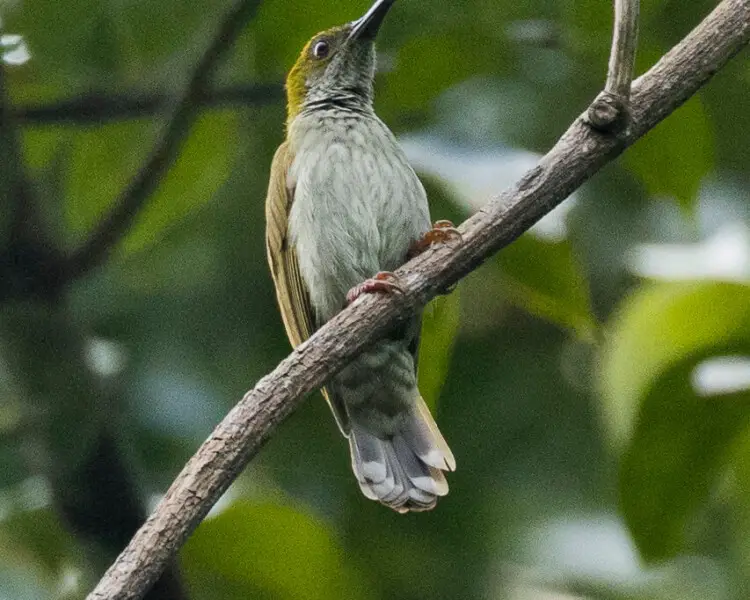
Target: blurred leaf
102, 49
276, 54
40, 537
659, 326
40, 146
419, 78
167, 30
103, 162
14, 469
668, 21
274, 549
678, 441
44, 350
201, 169
81, 53
673, 159
102, 40
439, 329
546, 279
443, 204
589, 27
679, 448
739, 483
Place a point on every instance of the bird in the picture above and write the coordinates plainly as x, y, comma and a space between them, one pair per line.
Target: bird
344, 209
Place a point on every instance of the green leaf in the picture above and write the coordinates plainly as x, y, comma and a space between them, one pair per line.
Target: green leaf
269, 550
55, 56
673, 159
739, 503
676, 442
660, 326
44, 351
41, 146
439, 329
202, 167
103, 161
170, 30
77, 43
38, 537
545, 279
14, 470
680, 447
276, 54
409, 88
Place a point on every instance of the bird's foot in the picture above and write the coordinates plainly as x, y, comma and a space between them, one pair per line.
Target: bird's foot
442, 231
385, 282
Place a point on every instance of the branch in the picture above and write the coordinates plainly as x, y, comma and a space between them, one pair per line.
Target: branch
100, 107
624, 44
114, 225
579, 153
610, 110
28, 259
83, 495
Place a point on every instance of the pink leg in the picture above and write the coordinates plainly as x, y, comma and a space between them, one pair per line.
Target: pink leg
441, 231
385, 282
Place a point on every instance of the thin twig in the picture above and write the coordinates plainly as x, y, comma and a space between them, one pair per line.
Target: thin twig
579, 153
104, 107
624, 45
609, 111
116, 223
28, 260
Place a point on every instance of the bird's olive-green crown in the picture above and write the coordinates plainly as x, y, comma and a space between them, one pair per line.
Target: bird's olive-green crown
336, 66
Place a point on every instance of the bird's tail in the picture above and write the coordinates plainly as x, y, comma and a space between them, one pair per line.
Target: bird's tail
403, 471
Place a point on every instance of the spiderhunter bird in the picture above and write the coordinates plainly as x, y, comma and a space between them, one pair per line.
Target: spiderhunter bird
344, 208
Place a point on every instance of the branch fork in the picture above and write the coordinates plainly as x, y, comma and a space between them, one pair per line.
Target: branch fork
610, 111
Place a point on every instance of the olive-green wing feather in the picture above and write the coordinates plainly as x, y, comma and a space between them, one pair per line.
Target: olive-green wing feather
291, 291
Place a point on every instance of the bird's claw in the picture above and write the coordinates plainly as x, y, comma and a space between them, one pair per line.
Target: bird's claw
442, 231
384, 281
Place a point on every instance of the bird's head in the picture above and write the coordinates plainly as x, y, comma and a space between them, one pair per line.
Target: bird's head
337, 64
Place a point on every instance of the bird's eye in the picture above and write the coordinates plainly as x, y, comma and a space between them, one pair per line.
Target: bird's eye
321, 49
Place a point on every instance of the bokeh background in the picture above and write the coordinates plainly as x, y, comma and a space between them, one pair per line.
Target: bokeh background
593, 379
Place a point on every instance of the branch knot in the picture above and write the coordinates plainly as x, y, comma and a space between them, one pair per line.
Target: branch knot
609, 113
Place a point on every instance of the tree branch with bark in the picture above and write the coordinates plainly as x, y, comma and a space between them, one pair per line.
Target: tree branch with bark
610, 110
579, 153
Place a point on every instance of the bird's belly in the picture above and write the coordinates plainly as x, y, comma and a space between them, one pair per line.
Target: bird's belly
355, 213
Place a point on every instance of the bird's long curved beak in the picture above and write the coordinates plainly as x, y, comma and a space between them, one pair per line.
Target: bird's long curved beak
366, 27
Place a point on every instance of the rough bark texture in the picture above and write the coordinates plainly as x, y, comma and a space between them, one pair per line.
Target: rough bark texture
579, 153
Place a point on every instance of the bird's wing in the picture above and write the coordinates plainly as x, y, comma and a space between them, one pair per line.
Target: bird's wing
291, 291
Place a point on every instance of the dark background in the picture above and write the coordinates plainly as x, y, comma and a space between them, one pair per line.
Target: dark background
594, 460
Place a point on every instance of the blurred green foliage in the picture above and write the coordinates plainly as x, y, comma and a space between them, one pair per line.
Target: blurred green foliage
545, 278
260, 538
572, 387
